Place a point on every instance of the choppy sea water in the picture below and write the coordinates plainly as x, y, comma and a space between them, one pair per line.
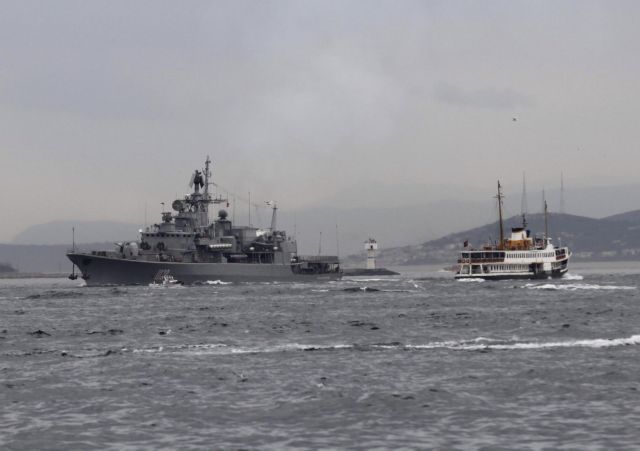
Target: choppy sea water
423, 362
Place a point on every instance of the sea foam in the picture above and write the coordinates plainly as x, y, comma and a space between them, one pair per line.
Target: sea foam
217, 282
475, 344
576, 286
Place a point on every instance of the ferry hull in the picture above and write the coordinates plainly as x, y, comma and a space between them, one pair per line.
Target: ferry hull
555, 274
99, 270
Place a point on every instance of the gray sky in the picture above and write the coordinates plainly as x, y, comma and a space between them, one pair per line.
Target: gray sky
106, 105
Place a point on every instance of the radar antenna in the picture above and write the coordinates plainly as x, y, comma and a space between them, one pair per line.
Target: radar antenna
207, 176
274, 207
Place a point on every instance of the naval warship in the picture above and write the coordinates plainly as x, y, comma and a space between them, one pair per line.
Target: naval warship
192, 249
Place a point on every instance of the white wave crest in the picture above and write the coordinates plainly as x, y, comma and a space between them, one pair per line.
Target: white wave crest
470, 280
569, 276
497, 345
217, 282
358, 279
476, 344
223, 349
576, 286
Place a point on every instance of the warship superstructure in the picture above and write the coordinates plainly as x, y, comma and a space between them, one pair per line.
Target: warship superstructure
522, 256
193, 249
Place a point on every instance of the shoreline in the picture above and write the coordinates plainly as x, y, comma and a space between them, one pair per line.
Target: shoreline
33, 275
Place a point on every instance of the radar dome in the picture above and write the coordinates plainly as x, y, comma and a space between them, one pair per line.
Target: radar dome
222, 214
177, 205
131, 249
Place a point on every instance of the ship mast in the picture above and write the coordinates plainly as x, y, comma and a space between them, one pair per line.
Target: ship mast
73, 275
274, 207
546, 224
499, 197
523, 204
207, 174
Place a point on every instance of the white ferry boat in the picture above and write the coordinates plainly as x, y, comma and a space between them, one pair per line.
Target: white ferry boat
519, 257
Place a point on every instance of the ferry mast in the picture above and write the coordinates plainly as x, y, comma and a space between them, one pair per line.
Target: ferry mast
499, 197
546, 223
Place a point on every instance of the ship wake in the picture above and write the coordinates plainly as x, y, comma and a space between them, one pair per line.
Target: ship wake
477, 344
576, 287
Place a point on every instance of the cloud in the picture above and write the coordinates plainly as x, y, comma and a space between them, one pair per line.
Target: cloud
489, 97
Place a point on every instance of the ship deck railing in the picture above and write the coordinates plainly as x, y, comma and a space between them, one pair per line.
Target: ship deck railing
318, 259
481, 260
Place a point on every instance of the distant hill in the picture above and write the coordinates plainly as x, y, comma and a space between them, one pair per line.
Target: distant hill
611, 238
5, 268
390, 225
397, 215
614, 237
35, 258
59, 232
630, 217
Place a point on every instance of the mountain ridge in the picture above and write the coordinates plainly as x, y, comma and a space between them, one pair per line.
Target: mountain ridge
615, 237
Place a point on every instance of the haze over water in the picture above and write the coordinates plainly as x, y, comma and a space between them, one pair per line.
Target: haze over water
111, 104
425, 362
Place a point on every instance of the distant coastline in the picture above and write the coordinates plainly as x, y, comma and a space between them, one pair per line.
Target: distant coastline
32, 275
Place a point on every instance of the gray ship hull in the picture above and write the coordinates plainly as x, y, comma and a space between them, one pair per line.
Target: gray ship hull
99, 270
